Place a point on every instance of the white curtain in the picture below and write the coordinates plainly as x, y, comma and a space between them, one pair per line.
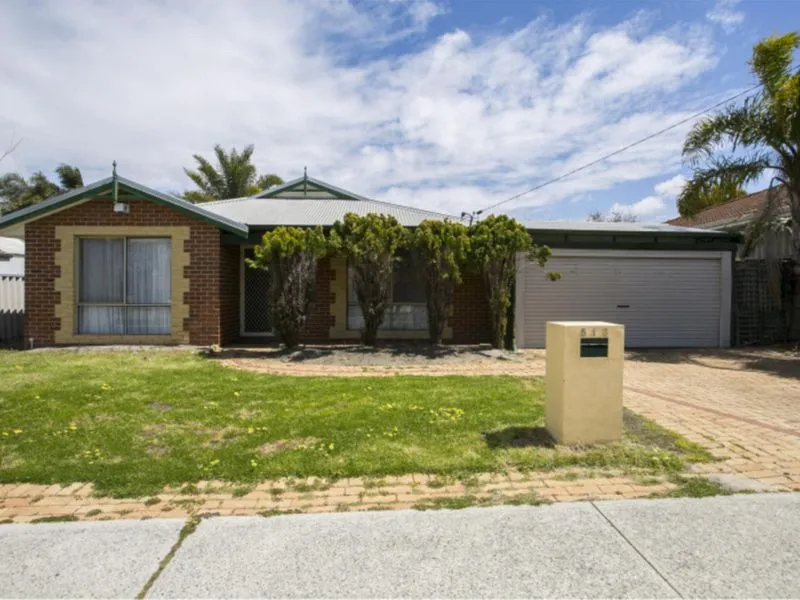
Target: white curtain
101, 267
144, 280
149, 282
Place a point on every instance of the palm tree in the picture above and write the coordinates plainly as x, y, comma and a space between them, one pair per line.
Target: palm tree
234, 176
762, 136
17, 193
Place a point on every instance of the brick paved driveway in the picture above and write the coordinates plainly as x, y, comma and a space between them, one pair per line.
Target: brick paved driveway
744, 405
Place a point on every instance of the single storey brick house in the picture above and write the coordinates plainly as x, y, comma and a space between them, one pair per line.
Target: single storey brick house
152, 268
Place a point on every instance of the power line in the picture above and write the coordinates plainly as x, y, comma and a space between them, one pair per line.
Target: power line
620, 150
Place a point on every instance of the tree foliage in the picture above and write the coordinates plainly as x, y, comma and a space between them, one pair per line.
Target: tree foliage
290, 256
234, 176
441, 249
699, 195
16, 192
371, 243
494, 244
761, 136
616, 216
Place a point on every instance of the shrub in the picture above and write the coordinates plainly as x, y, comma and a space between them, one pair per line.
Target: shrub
370, 243
494, 244
441, 249
290, 255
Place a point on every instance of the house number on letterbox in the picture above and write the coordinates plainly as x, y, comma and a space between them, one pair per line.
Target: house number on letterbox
594, 332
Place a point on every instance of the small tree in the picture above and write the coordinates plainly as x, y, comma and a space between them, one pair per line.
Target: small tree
290, 255
494, 244
441, 250
616, 216
370, 243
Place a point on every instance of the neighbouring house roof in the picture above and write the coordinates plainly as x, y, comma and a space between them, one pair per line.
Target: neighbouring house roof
127, 186
734, 212
618, 228
307, 202
11, 247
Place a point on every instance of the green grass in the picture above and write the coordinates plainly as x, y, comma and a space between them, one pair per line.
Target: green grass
695, 487
470, 500
132, 422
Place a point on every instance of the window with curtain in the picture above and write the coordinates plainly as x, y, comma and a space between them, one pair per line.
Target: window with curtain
124, 286
407, 310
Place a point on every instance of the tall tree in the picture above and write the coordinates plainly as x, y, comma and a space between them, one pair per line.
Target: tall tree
16, 193
234, 176
290, 255
762, 136
441, 250
370, 243
494, 245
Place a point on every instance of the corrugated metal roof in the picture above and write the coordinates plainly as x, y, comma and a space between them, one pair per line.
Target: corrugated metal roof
12, 246
611, 227
273, 212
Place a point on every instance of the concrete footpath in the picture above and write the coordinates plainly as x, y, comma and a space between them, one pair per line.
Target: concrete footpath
744, 546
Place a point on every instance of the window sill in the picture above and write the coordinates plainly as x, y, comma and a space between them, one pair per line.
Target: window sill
108, 339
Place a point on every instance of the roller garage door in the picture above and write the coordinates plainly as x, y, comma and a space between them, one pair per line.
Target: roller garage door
664, 299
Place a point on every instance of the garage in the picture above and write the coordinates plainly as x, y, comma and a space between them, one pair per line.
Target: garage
665, 298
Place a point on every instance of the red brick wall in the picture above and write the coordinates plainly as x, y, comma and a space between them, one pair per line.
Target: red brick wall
40, 275
320, 320
203, 272
470, 319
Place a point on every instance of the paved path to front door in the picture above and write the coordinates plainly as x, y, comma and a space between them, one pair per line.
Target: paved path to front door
743, 405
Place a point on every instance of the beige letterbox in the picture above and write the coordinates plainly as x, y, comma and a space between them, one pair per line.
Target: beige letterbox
583, 381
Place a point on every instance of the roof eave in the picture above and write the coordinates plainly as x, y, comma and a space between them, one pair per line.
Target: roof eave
35, 211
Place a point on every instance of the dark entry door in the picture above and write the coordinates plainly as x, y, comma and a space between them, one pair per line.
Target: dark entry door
255, 293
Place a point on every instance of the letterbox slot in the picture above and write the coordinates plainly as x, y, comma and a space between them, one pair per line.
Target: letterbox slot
594, 347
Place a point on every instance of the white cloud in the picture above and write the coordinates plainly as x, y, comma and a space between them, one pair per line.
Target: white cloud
453, 123
725, 14
652, 208
671, 187
646, 207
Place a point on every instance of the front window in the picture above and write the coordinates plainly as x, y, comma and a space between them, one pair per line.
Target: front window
124, 286
407, 310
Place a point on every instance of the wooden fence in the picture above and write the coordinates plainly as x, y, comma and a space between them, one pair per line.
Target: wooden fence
12, 308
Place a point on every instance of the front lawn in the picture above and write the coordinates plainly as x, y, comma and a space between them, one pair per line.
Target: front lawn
132, 422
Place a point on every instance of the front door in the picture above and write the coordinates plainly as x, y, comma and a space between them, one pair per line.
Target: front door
255, 290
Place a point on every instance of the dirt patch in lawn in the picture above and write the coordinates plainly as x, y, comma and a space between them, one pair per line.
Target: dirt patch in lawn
282, 445
404, 359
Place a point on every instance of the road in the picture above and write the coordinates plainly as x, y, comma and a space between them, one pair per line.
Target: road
743, 546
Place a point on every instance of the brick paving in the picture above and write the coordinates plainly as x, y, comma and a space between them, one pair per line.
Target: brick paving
27, 502
743, 405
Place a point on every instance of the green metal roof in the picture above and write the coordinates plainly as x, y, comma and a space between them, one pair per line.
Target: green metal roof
35, 211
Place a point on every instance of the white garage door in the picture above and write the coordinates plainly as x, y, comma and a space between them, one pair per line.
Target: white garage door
664, 299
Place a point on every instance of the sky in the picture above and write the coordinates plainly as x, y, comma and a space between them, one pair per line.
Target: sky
448, 105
